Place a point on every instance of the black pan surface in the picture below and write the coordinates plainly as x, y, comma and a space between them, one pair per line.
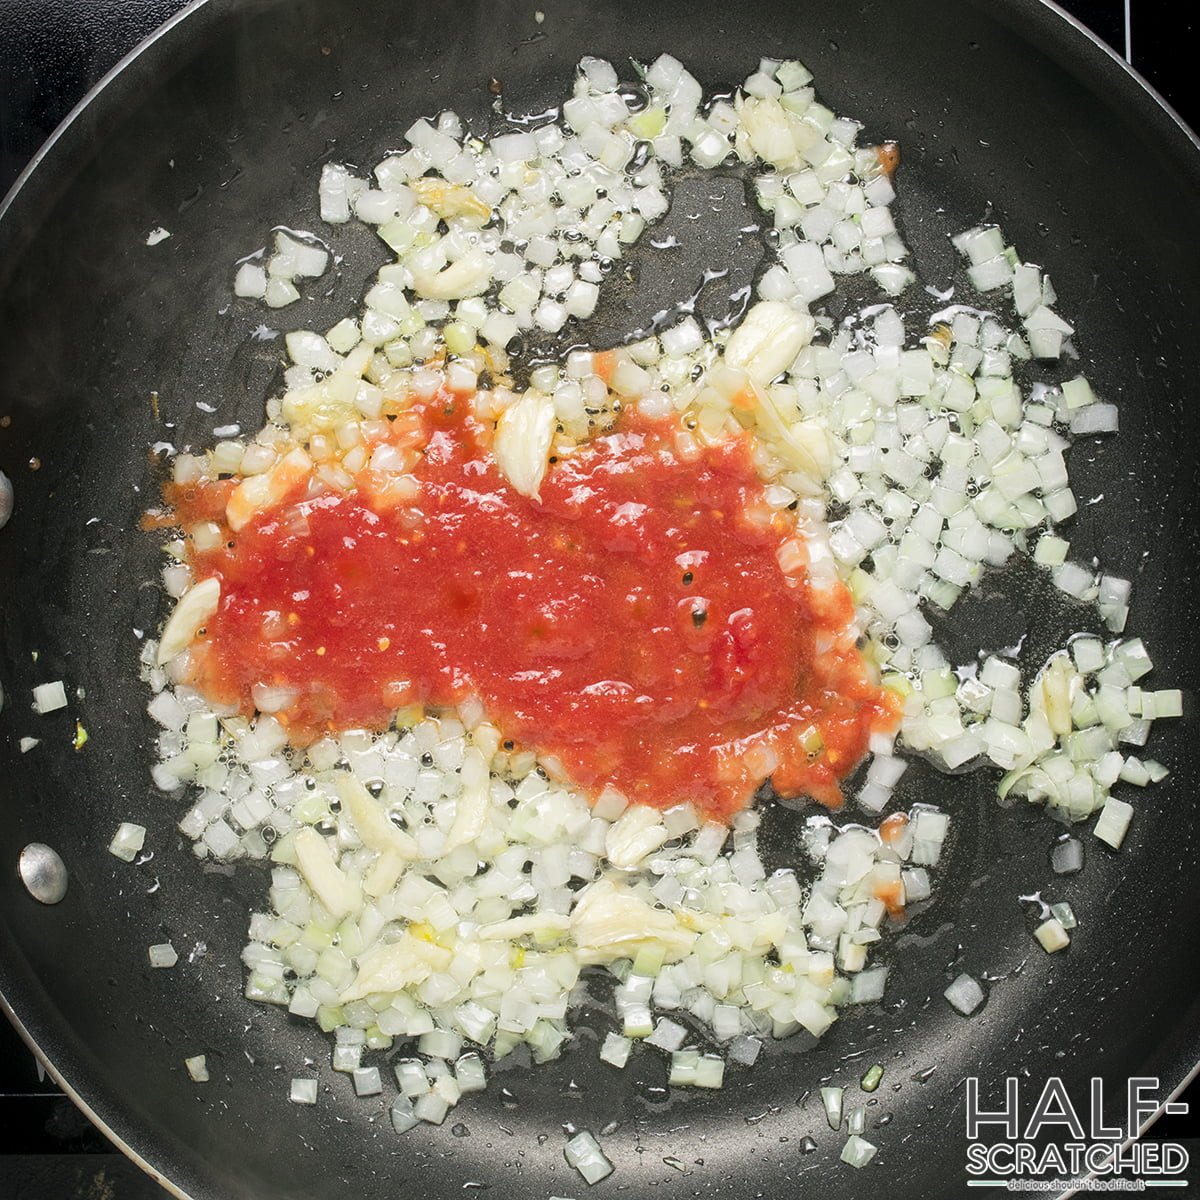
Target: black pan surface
215, 130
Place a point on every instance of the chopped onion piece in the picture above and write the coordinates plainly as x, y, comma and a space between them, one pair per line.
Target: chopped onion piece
668, 1035
710, 1072
965, 994
831, 1099
128, 841
1052, 935
583, 1153
470, 1073
402, 1114
250, 282
163, 955
411, 1077
431, 1108
1067, 856
615, 1049
1114, 821
197, 1068
857, 1152
367, 1082
49, 697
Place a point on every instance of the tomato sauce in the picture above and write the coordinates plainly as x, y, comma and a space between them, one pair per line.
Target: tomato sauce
636, 624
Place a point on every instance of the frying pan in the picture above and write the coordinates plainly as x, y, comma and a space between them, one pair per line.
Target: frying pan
216, 128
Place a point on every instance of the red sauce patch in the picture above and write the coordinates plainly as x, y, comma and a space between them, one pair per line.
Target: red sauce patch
635, 625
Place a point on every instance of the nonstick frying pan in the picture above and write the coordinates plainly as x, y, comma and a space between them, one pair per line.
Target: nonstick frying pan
215, 129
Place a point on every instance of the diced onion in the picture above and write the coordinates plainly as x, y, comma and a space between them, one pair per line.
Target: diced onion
49, 697
1114, 821
583, 1153
163, 955
1052, 935
857, 1152
197, 1068
831, 1099
965, 994
128, 841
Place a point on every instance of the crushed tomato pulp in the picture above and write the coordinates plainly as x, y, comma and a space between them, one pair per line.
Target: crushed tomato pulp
649, 624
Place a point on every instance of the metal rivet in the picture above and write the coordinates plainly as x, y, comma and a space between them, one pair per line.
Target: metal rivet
43, 873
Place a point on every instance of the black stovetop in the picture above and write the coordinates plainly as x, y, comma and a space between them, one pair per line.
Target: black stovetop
51, 53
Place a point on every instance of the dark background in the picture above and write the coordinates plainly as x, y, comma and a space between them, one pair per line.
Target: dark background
51, 53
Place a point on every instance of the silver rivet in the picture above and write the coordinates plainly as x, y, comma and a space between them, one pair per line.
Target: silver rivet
43, 873
6, 499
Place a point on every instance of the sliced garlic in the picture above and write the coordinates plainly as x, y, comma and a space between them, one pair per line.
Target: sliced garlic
638, 833
537, 923
392, 968
610, 922
803, 445
384, 874
524, 435
767, 341
1054, 692
450, 199
260, 492
470, 813
371, 821
331, 885
471, 275
193, 609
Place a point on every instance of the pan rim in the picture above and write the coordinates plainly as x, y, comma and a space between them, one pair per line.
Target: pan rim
1124, 64
1036, 10
86, 100
83, 1104
194, 6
